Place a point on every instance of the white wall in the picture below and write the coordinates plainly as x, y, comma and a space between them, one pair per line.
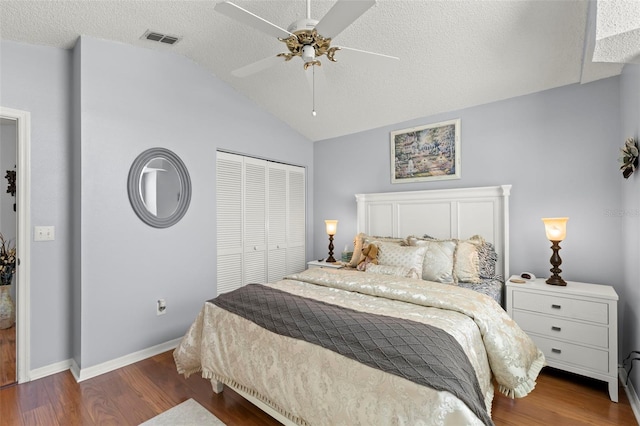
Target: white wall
629, 304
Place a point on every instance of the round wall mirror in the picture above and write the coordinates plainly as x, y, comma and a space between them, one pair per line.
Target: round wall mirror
159, 187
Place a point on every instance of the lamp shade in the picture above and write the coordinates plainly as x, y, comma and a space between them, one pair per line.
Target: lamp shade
332, 226
555, 227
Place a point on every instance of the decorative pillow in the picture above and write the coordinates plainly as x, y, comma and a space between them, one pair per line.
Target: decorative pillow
396, 271
438, 260
488, 258
394, 254
362, 240
466, 266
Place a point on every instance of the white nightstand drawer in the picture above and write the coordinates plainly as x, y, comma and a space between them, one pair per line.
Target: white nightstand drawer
563, 329
563, 307
555, 350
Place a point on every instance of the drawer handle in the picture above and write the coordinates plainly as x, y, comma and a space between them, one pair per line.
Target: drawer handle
556, 351
556, 306
554, 328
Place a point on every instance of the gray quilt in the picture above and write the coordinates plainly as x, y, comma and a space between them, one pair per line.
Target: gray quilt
418, 352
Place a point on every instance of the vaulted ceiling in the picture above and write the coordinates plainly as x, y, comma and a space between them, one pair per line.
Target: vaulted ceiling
453, 54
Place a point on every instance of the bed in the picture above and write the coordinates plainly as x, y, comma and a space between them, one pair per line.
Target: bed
328, 346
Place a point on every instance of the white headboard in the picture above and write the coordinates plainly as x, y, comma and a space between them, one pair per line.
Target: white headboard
442, 213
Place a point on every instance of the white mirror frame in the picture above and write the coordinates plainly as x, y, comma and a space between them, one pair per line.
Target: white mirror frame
133, 186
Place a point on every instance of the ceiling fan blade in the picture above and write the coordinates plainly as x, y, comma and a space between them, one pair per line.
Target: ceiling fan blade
361, 53
245, 17
258, 66
341, 15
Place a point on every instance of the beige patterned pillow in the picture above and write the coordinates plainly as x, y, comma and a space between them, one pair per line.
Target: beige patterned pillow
438, 260
396, 271
362, 240
394, 254
467, 260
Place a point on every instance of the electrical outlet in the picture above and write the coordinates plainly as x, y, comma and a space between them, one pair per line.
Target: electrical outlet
161, 307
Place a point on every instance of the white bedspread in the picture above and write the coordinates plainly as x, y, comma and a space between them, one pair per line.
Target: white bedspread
312, 385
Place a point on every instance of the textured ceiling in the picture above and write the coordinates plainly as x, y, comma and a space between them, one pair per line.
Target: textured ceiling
453, 54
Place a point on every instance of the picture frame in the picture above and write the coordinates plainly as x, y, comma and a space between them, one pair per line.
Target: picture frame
426, 153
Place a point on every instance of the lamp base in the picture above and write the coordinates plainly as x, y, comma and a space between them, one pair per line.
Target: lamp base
555, 260
330, 259
556, 280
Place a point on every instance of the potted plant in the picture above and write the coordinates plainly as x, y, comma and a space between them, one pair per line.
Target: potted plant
7, 269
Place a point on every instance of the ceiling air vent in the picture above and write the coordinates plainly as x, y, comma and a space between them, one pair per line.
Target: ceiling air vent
162, 38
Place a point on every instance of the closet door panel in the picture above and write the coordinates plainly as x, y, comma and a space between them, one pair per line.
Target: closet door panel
229, 213
277, 266
296, 220
255, 200
255, 267
229, 272
277, 206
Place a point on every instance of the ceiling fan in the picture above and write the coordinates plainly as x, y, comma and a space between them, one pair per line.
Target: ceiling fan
307, 38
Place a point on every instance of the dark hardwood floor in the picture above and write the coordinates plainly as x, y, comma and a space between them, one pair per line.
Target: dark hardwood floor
134, 394
7, 356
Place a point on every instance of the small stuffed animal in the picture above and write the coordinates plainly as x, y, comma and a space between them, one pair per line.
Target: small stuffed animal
369, 255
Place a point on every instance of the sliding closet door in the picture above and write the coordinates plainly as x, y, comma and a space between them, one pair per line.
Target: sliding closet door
255, 216
229, 206
296, 220
261, 220
277, 267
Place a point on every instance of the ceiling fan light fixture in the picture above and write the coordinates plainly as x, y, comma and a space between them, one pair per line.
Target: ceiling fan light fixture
308, 53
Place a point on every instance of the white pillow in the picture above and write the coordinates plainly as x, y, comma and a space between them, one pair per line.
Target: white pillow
396, 255
438, 259
396, 271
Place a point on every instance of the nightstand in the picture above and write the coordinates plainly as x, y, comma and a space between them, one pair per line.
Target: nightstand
323, 264
575, 326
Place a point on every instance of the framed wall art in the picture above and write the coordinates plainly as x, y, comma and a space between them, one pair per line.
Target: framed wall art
425, 153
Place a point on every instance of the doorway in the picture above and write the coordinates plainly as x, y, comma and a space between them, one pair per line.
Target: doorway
15, 126
8, 232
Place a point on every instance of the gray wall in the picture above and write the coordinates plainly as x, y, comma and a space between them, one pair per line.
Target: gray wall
37, 79
629, 292
93, 111
559, 150
156, 100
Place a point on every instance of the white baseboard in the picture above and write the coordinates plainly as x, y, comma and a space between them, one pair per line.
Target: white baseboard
96, 370
50, 369
631, 393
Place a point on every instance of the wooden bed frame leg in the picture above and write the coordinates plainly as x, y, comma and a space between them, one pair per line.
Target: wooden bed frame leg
217, 386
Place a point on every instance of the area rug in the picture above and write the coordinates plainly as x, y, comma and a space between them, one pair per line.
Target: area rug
189, 413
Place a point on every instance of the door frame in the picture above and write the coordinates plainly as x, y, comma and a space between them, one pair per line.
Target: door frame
23, 240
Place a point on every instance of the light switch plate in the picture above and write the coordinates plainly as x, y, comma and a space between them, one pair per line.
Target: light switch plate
44, 233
